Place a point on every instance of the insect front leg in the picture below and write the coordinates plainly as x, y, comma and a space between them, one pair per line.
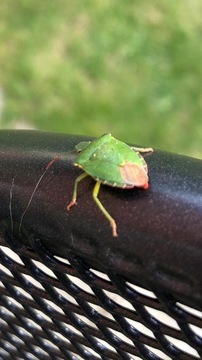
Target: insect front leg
142, 150
104, 211
78, 179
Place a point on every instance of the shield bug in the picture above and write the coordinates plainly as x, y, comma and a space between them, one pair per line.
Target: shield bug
110, 162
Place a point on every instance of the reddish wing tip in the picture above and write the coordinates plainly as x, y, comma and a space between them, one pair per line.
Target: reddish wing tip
134, 174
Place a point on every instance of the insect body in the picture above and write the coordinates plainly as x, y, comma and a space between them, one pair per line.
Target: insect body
113, 163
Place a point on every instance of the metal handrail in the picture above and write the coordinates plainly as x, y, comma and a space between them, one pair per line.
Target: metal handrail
159, 230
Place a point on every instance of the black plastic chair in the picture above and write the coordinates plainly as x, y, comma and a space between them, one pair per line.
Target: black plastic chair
69, 290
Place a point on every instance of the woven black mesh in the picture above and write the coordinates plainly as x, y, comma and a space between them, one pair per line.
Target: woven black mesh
62, 309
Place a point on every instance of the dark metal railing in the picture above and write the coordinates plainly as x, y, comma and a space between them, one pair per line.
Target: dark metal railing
69, 290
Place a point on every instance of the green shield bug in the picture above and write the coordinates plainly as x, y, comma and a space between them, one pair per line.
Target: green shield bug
110, 162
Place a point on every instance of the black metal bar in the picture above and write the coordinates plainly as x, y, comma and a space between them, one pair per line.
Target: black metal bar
159, 230
158, 245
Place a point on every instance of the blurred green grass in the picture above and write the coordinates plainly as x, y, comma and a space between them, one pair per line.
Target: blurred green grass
88, 67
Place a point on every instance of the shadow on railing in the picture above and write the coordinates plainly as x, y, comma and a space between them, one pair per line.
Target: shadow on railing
69, 290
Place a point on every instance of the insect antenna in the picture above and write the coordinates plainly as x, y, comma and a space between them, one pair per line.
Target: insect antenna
10, 207
35, 188
38, 183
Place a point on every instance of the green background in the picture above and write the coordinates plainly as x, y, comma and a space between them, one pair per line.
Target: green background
130, 67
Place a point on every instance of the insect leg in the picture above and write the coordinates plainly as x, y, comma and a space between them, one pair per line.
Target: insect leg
142, 150
79, 178
108, 216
